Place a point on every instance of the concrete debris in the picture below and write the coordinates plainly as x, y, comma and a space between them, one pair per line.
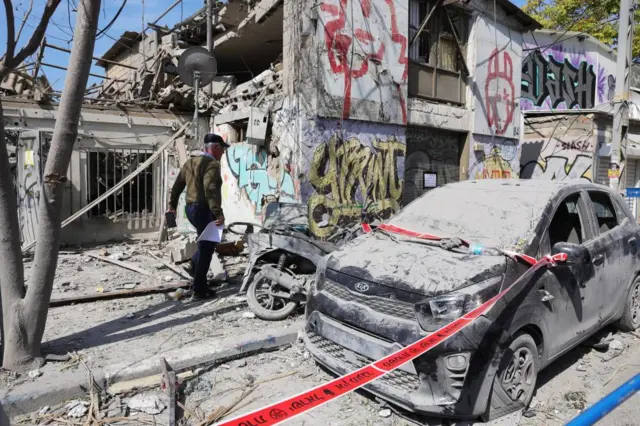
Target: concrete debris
34, 374
198, 385
44, 410
77, 409
576, 399
168, 278
249, 315
385, 413
241, 364
148, 403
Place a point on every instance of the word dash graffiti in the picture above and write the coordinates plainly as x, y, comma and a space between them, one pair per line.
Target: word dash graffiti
545, 78
346, 175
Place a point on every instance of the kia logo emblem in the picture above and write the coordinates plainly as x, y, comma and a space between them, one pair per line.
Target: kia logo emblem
362, 287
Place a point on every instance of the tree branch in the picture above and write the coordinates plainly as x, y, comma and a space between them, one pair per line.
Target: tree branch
24, 21
11, 33
38, 34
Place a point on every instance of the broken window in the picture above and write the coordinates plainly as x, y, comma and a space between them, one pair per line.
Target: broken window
105, 169
605, 212
566, 225
436, 45
437, 69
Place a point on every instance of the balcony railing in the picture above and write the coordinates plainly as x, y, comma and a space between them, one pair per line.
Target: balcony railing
436, 84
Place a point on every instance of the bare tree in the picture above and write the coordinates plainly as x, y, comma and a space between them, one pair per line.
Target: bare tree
24, 308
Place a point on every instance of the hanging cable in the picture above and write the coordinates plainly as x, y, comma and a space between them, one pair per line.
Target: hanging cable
105, 29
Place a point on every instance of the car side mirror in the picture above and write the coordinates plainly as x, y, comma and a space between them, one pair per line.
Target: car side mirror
576, 254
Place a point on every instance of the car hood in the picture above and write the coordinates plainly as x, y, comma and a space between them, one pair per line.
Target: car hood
417, 268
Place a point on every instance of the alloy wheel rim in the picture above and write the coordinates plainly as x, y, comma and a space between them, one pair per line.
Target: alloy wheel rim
635, 304
518, 378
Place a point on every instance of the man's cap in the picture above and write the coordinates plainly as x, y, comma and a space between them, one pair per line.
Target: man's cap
213, 138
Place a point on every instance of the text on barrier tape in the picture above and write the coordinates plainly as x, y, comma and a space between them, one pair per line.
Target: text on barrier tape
308, 400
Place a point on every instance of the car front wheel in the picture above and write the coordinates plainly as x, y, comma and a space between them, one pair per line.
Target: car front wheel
515, 382
630, 320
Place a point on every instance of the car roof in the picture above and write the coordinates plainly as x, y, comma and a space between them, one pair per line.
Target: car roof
551, 187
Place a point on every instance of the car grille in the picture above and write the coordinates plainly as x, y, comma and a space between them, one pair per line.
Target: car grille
394, 308
399, 379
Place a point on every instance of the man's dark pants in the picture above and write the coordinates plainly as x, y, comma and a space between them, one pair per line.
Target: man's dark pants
200, 216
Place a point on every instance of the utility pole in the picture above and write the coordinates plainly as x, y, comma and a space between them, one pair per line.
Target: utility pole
621, 107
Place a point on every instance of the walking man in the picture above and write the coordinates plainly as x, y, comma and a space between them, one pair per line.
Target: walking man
201, 177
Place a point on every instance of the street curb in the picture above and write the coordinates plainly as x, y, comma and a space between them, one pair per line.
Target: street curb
58, 388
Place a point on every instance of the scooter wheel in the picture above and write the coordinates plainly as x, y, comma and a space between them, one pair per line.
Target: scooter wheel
263, 304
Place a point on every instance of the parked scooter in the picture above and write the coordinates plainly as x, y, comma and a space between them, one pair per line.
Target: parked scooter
283, 256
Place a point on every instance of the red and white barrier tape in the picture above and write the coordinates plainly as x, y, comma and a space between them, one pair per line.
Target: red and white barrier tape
306, 401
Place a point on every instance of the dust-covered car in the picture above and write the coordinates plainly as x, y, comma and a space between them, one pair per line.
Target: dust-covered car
386, 290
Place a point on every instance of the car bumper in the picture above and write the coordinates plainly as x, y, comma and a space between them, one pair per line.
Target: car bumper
437, 383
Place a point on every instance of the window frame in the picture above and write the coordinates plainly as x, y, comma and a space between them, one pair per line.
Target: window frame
544, 248
617, 211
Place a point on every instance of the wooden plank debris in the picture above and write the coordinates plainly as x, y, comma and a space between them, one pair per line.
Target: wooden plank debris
182, 273
117, 294
169, 383
125, 265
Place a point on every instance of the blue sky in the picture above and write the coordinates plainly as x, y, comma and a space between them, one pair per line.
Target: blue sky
59, 32
60, 29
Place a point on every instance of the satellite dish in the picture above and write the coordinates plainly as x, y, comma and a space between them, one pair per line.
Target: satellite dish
197, 59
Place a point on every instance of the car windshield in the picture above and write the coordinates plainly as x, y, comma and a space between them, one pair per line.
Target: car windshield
501, 217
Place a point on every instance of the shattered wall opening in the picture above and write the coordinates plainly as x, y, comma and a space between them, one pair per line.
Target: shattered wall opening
105, 169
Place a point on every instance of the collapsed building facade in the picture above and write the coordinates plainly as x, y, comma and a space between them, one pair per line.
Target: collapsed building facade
334, 104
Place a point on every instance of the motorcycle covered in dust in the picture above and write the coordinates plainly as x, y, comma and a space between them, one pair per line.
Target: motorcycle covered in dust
283, 255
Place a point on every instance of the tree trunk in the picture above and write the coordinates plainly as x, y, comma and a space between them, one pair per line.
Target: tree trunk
25, 312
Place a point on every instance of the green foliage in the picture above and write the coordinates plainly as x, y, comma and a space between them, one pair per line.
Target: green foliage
598, 18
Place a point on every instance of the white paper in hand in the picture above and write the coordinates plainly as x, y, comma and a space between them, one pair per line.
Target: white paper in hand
212, 232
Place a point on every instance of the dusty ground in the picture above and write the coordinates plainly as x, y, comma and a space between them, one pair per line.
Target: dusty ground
134, 329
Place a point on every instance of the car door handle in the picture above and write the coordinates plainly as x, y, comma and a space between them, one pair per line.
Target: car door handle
598, 260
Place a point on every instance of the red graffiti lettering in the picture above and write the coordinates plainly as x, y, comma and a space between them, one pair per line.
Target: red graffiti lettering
499, 92
339, 44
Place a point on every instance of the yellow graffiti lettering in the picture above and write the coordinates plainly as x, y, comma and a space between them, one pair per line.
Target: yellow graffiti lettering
346, 175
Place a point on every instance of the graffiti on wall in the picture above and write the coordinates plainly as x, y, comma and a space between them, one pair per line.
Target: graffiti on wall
571, 74
496, 87
559, 82
499, 92
345, 175
366, 57
497, 159
556, 159
261, 178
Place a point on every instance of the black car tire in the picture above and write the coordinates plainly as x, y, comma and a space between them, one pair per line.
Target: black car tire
501, 401
261, 311
630, 320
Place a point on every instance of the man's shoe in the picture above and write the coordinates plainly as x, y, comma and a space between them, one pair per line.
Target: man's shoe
188, 268
209, 294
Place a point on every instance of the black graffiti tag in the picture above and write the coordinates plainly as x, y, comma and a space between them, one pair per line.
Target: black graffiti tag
544, 78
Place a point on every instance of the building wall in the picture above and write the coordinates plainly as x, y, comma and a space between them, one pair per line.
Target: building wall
575, 73
348, 165
559, 147
363, 63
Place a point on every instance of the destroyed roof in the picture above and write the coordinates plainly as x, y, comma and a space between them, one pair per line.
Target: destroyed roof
126, 41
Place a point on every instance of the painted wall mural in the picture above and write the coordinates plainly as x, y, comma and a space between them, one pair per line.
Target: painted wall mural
349, 169
496, 88
364, 60
572, 74
557, 159
497, 159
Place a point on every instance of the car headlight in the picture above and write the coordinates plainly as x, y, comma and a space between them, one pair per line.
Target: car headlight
436, 312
